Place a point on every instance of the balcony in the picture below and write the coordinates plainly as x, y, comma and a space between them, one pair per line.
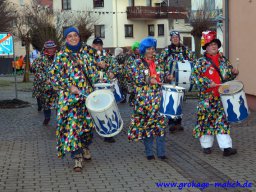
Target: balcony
147, 13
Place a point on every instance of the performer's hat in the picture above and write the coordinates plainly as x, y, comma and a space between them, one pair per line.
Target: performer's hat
135, 45
172, 33
209, 37
147, 43
49, 44
69, 30
97, 40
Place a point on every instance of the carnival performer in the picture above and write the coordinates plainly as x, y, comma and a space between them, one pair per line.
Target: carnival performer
146, 122
120, 59
107, 64
209, 72
128, 71
43, 91
174, 53
74, 73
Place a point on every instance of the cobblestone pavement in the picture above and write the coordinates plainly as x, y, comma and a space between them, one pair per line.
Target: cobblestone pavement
28, 160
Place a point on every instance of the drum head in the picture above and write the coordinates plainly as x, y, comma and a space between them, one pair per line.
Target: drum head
230, 87
99, 100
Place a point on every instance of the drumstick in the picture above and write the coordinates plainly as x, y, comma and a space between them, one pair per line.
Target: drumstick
237, 63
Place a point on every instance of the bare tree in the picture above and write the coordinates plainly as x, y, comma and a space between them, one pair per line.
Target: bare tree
201, 20
83, 20
7, 13
35, 25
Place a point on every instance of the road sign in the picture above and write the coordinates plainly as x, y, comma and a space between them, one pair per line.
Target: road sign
6, 44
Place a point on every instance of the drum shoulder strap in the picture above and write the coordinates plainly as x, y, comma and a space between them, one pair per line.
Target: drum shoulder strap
80, 68
215, 67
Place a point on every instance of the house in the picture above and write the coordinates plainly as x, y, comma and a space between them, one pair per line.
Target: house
121, 23
240, 44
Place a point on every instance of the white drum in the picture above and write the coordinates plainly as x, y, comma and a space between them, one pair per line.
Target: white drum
119, 96
104, 112
234, 101
183, 71
104, 86
171, 101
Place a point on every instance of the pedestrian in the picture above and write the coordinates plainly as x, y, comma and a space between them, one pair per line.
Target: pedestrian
43, 91
209, 72
175, 52
74, 73
146, 123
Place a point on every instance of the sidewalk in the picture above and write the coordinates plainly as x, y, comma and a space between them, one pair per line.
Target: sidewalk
28, 160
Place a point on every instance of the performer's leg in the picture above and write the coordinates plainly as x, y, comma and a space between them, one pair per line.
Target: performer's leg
77, 156
206, 142
148, 143
47, 116
225, 144
39, 104
109, 139
175, 125
160, 146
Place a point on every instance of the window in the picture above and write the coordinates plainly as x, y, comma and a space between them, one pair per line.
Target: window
131, 3
66, 4
99, 31
128, 30
149, 3
151, 30
98, 3
160, 29
187, 41
209, 5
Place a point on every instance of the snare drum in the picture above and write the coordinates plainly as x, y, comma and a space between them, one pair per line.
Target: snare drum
234, 101
107, 86
119, 96
171, 101
104, 112
183, 71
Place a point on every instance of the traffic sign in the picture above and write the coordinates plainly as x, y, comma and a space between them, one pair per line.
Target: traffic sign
6, 44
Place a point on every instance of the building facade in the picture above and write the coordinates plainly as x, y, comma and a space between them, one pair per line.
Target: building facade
121, 23
241, 44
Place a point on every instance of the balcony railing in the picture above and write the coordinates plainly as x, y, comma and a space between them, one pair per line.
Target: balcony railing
146, 12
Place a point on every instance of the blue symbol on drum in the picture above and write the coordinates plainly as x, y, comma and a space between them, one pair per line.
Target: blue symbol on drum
109, 127
232, 115
169, 108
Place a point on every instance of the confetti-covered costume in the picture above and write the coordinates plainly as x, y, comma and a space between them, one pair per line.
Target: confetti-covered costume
211, 118
74, 124
146, 121
128, 76
171, 56
41, 89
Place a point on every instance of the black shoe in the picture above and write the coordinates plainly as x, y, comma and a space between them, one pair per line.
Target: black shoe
229, 151
151, 157
180, 128
124, 101
172, 129
207, 150
162, 157
109, 140
46, 121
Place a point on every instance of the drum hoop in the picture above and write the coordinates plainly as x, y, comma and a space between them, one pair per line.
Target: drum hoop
107, 84
107, 107
223, 94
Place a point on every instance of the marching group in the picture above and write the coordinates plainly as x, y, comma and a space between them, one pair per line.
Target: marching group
65, 77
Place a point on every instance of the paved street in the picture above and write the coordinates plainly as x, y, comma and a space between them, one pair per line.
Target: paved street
28, 160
